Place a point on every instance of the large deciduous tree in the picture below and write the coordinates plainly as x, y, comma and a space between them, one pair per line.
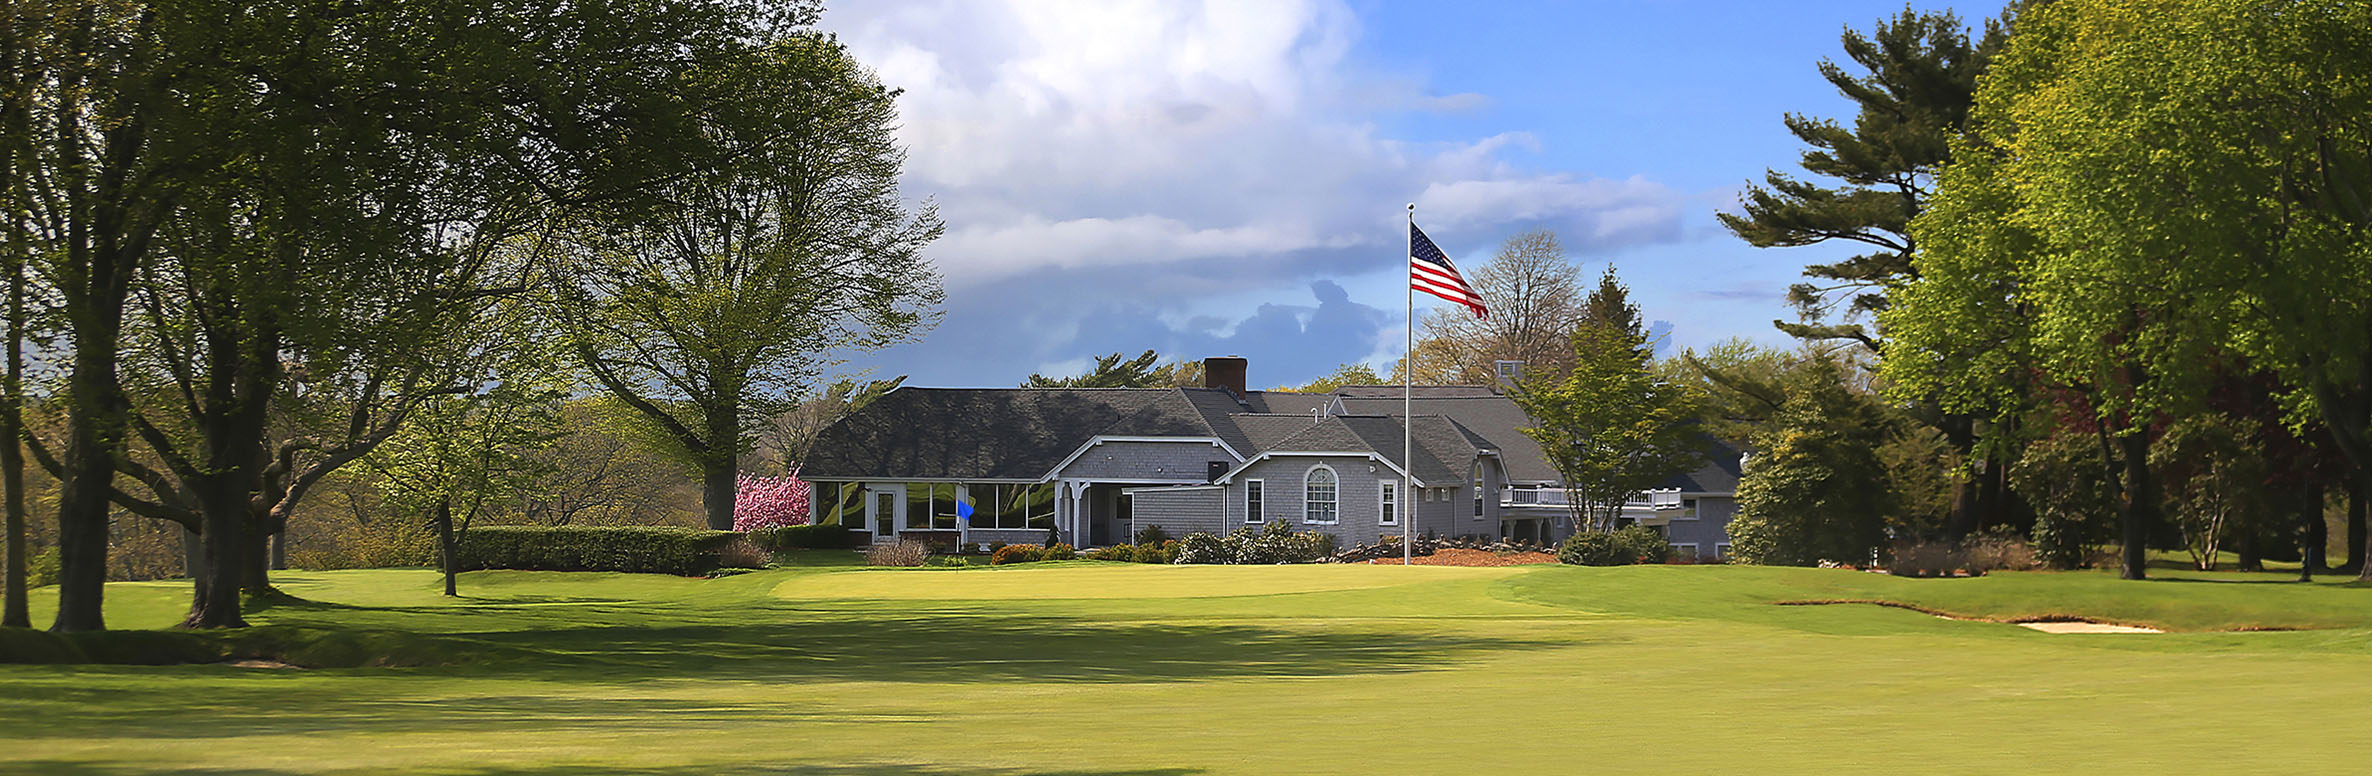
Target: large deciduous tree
301, 201
1534, 295
2172, 189
724, 293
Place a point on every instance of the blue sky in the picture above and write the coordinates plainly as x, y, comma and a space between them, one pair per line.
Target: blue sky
1229, 177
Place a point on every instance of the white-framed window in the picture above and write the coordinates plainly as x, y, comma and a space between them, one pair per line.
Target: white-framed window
1721, 552
1317, 495
1254, 500
1688, 510
1387, 502
1685, 553
1478, 491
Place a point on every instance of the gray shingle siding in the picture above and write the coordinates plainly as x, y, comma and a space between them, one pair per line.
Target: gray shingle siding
1710, 529
1181, 511
1121, 461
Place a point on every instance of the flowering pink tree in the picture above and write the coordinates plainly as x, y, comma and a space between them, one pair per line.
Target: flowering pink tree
768, 502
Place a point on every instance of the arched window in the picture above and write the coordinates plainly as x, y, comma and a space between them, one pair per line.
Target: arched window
1317, 495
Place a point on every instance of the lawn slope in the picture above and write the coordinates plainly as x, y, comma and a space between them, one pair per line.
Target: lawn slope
1087, 668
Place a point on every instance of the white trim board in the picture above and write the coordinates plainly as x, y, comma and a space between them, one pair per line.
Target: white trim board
1100, 439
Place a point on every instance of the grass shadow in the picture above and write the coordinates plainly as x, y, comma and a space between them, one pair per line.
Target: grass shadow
73, 768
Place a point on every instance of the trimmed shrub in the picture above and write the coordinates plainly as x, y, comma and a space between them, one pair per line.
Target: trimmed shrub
1016, 553
1272, 543
1203, 548
1165, 551
804, 537
1060, 551
1643, 545
903, 552
688, 552
1592, 549
25, 645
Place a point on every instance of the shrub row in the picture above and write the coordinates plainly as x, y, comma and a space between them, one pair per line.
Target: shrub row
1635, 544
1164, 551
1272, 543
804, 537
641, 549
1030, 553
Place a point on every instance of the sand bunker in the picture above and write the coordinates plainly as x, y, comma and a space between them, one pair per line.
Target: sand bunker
2050, 624
2086, 627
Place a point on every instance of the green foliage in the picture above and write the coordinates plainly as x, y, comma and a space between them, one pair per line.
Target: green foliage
1608, 426
1353, 373
26, 645
42, 568
2067, 479
1061, 551
642, 550
1590, 548
1160, 551
805, 537
1625, 546
1817, 490
1117, 371
1643, 544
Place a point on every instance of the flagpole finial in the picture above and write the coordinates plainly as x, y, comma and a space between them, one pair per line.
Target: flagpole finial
1412, 207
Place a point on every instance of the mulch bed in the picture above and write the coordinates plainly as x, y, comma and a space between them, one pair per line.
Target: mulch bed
1456, 556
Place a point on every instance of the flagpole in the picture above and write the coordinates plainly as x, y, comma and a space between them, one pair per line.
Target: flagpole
1408, 377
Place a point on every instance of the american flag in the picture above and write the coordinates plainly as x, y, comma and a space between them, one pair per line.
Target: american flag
1430, 271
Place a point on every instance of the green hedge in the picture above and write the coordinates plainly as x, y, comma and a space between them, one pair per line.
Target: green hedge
642, 550
804, 537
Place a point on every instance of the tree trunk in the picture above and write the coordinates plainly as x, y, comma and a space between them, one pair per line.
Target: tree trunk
2140, 510
716, 492
193, 565
222, 510
255, 559
1967, 491
2314, 535
280, 549
2355, 526
94, 435
2245, 545
448, 548
15, 613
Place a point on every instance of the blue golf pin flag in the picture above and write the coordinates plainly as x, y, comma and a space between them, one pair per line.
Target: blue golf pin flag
963, 510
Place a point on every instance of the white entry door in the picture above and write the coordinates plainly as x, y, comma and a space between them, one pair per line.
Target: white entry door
885, 510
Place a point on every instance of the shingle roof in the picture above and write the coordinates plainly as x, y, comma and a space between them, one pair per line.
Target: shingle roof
991, 433
1719, 474
1443, 449
1022, 433
1492, 417
1418, 391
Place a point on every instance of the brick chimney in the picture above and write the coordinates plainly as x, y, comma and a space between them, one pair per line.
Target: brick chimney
1224, 372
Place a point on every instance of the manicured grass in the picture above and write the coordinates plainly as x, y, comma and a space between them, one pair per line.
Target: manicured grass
1090, 668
